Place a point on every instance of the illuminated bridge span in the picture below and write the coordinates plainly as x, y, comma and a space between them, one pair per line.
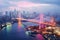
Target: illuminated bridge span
41, 21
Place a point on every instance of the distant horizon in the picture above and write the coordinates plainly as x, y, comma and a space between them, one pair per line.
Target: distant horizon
51, 7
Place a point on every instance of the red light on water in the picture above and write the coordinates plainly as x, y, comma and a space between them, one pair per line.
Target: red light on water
39, 37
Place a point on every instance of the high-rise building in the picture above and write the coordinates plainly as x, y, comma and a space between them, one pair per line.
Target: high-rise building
1, 13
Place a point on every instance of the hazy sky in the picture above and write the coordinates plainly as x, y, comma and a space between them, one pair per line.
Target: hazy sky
32, 5
42, 5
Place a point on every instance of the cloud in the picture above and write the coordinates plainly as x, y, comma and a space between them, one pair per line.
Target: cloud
46, 1
24, 4
34, 6
31, 6
27, 4
1, 2
57, 2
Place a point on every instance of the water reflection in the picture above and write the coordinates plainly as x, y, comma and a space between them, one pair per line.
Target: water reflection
14, 32
8, 27
39, 37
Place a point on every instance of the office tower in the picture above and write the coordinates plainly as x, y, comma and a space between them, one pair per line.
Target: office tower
1, 13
